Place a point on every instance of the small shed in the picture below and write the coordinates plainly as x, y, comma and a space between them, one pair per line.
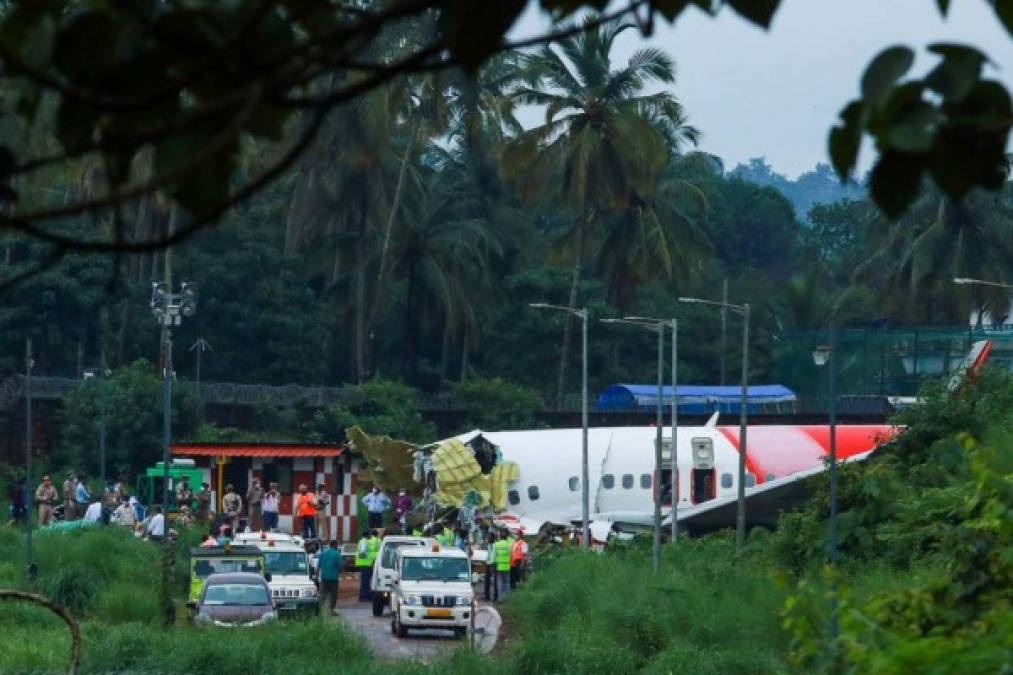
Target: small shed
289, 465
698, 399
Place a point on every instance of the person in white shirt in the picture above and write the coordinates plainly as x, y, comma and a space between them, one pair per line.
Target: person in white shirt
156, 526
94, 513
124, 514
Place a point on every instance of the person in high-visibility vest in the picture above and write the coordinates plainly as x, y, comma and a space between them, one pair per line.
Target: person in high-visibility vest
517, 555
365, 556
501, 558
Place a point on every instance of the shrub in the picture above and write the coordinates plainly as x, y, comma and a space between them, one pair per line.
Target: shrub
496, 404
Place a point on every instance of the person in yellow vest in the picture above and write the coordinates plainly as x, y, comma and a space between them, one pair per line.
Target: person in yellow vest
365, 556
501, 558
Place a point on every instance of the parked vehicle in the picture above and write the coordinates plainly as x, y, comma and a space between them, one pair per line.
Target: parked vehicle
431, 589
226, 559
286, 562
149, 484
236, 599
383, 569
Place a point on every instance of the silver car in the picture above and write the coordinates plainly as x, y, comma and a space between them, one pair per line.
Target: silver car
235, 599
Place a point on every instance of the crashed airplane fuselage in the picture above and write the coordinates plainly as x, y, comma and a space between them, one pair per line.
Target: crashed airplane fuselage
621, 463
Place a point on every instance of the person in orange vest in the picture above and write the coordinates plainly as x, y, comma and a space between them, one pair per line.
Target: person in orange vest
307, 511
518, 555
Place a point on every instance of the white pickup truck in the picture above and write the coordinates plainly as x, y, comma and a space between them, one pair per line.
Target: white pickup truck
431, 589
383, 569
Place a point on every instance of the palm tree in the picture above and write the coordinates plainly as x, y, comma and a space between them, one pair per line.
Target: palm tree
604, 140
939, 239
441, 252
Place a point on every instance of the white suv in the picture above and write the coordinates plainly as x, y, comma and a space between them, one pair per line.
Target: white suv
284, 558
383, 568
432, 589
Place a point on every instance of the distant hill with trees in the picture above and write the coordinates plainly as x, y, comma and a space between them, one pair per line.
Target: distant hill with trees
818, 186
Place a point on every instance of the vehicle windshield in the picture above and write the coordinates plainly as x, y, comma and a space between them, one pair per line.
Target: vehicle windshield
236, 595
207, 567
435, 568
289, 562
390, 548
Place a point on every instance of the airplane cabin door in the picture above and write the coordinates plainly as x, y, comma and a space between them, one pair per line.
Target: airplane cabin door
703, 476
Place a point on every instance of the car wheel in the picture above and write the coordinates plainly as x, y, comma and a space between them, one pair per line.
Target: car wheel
460, 633
401, 630
378, 604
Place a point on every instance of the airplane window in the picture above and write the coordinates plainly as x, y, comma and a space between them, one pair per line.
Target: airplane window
645, 481
574, 483
769, 476
726, 480
608, 481
532, 492
627, 481
513, 497
750, 480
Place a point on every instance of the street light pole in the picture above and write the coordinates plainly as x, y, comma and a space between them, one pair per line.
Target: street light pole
29, 493
102, 421
657, 453
658, 326
675, 431
169, 308
585, 489
740, 514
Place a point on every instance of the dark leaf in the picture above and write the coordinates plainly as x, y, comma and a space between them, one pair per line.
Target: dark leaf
671, 9
884, 70
845, 139
75, 124
561, 8
896, 180
944, 6
914, 129
1004, 10
760, 12
474, 29
957, 74
203, 185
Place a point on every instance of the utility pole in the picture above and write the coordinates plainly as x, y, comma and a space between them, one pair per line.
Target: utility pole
29, 493
200, 346
724, 328
675, 430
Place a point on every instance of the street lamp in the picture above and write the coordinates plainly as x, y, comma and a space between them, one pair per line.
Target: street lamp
659, 328
740, 516
585, 495
169, 309
103, 373
661, 325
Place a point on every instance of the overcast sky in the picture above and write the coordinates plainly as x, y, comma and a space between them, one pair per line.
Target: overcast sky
777, 93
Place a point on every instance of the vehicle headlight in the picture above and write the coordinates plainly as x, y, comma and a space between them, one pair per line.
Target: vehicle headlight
464, 600
269, 617
309, 592
412, 600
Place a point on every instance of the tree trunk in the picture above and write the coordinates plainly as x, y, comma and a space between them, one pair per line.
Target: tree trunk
464, 355
374, 306
572, 302
121, 335
445, 354
408, 342
360, 312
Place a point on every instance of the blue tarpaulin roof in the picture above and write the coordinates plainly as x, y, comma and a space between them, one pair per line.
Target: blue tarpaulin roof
693, 399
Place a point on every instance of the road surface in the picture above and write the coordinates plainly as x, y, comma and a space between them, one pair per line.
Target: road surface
422, 645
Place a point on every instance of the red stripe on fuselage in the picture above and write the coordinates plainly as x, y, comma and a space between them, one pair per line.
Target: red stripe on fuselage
781, 451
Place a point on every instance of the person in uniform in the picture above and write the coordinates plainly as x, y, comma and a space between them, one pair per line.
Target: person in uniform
184, 495
323, 501
46, 497
307, 512
69, 489
270, 508
253, 503
232, 504
204, 502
